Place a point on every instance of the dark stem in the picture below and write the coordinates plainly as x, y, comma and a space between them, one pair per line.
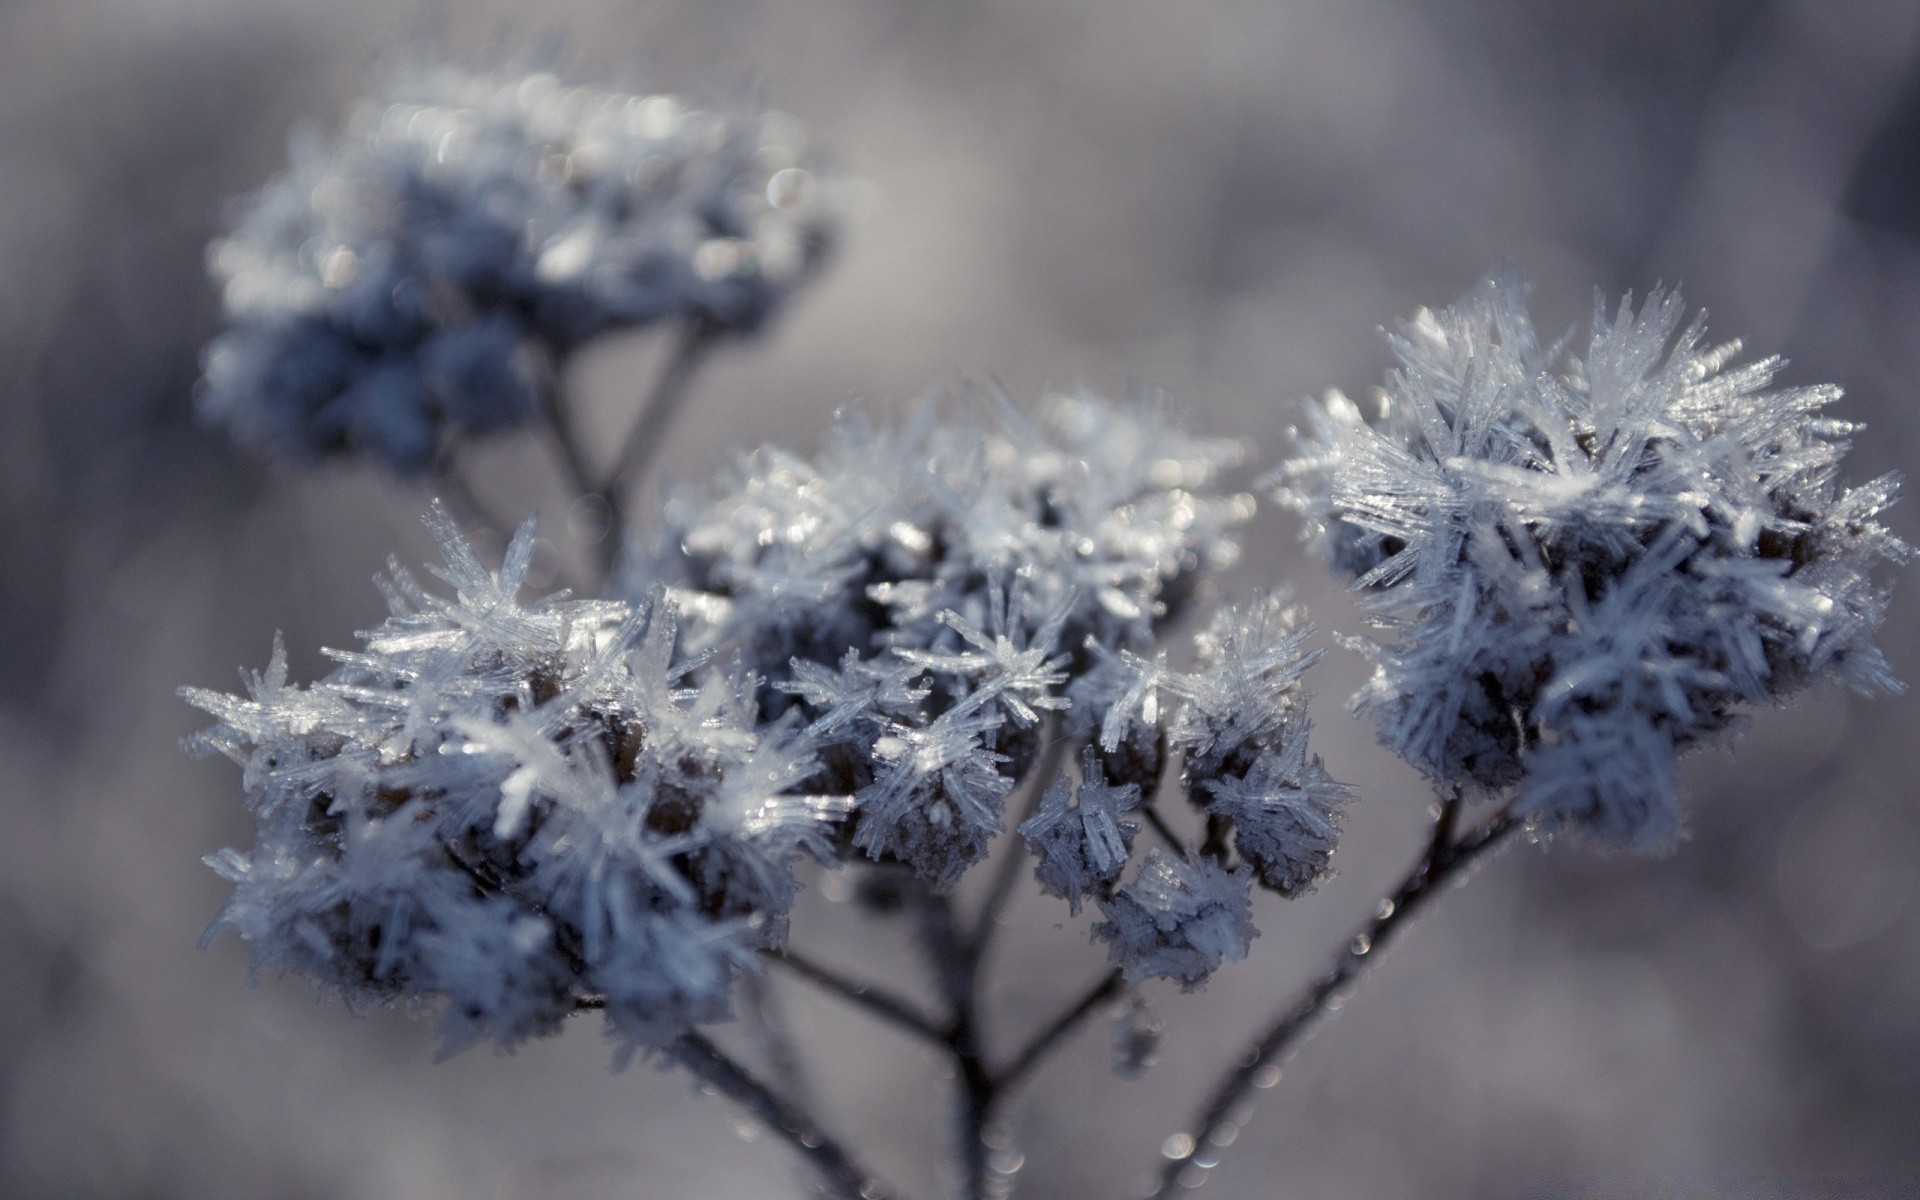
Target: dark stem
1445, 858
952, 957
452, 476
573, 456
882, 1004
1174, 841
1046, 767
663, 403
1109, 988
789, 1070
841, 1174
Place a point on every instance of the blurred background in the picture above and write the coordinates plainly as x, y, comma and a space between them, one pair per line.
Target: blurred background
1224, 198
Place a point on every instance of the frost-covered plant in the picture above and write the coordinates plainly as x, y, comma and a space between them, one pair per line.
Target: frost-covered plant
1583, 564
517, 808
946, 625
425, 273
863, 658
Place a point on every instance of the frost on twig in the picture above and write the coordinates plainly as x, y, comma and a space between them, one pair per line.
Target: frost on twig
421, 273
1581, 564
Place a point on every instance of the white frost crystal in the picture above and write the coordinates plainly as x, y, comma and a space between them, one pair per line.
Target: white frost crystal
1179, 919
1580, 565
1081, 836
517, 808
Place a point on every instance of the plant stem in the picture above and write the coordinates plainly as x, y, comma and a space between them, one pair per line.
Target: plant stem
886, 1006
1173, 840
1110, 987
841, 1174
1046, 768
663, 402
1445, 857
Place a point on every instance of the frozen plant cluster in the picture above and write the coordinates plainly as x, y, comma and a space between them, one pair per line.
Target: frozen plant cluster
1581, 564
425, 273
930, 591
517, 810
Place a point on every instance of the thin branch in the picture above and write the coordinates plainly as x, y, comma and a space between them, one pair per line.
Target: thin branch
776, 1036
880, 1003
1110, 987
1445, 857
664, 400
451, 473
841, 1174
1053, 753
1173, 840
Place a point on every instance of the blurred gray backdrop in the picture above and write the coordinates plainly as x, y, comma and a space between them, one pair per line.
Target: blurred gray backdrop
1221, 197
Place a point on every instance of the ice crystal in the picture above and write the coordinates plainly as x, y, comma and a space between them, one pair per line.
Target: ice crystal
1239, 722
1179, 919
919, 589
423, 272
1580, 565
517, 809
1082, 839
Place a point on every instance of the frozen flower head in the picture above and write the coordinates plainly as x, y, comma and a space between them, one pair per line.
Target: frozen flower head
419, 274
1583, 563
1180, 919
925, 591
514, 810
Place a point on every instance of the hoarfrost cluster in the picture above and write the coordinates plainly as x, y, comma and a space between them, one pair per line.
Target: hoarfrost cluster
516, 809
425, 273
509, 810
1582, 564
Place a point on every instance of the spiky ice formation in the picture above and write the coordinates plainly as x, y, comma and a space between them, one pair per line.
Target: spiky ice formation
516, 809
1581, 564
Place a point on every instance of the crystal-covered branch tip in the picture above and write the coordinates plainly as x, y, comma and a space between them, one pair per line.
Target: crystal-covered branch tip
420, 273
1582, 563
513, 808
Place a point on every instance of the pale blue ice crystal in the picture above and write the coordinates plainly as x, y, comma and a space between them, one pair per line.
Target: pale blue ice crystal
857, 656
511, 809
1238, 722
1180, 919
1080, 836
923, 590
1580, 564
423, 273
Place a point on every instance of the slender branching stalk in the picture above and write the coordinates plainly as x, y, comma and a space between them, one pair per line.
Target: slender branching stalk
1446, 857
695, 341
1111, 987
842, 1175
1052, 755
901, 1013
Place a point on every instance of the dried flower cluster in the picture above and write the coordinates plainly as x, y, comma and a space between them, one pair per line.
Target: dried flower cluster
424, 273
509, 810
527, 807
519, 808
1582, 565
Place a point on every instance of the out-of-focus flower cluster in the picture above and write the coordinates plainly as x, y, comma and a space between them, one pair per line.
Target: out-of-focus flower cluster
518, 810
424, 273
1582, 565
